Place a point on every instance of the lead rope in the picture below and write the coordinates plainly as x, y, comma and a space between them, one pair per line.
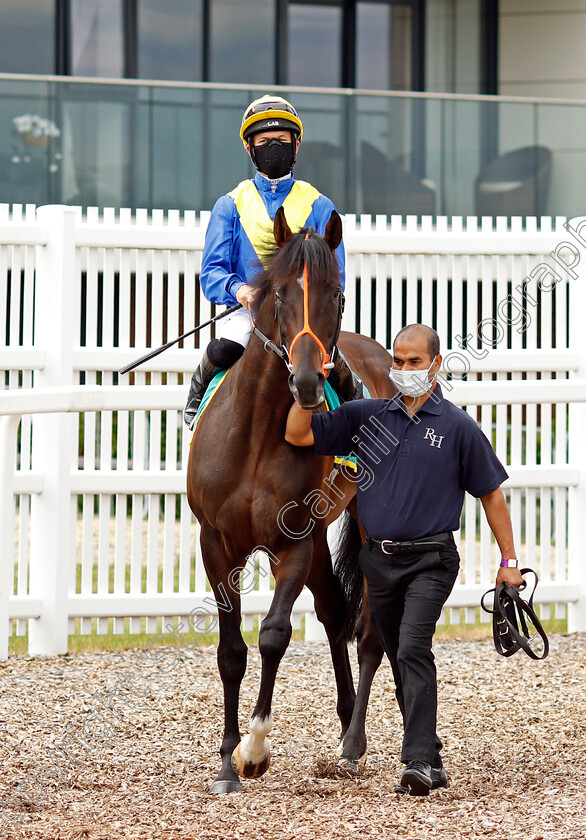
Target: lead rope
508, 612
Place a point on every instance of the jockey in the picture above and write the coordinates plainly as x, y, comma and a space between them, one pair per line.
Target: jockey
240, 227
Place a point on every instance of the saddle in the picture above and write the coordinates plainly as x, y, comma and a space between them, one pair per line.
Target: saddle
515, 625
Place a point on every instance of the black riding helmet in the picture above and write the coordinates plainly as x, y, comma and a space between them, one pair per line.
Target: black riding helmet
269, 113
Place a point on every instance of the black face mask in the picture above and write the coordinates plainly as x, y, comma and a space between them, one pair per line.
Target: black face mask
275, 158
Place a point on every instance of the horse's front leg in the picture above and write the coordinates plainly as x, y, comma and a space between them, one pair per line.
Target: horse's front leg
232, 654
251, 757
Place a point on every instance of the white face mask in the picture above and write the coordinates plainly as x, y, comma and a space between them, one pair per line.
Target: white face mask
413, 383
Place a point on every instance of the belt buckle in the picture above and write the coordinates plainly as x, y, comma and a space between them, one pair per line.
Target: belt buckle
388, 542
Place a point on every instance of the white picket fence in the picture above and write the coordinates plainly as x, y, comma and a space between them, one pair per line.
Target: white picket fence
95, 531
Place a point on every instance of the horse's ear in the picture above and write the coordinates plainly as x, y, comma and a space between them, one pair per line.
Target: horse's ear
333, 234
281, 229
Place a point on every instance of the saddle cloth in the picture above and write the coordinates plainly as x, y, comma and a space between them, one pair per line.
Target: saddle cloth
332, 401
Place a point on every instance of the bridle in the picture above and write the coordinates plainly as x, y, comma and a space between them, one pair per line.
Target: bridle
287, 353
515, 625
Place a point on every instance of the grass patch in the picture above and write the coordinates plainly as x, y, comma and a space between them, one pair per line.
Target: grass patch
148, 642
94, 642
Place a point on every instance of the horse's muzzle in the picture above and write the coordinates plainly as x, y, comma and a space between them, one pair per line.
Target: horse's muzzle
307, 388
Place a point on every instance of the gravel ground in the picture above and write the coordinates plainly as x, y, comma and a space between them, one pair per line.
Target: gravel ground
513, 729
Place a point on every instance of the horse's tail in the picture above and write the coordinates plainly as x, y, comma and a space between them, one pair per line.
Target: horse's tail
347, 571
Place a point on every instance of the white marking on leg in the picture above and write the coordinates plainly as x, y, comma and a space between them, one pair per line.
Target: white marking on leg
255, 746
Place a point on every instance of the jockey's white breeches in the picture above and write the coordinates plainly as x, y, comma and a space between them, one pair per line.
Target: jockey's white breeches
236, 326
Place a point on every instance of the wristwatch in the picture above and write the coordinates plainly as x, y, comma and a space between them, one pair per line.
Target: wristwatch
510, 563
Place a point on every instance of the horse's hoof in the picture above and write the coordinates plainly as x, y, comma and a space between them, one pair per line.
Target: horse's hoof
249, 769
226, 786
352, 766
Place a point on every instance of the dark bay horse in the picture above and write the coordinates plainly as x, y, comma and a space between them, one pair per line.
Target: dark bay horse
243, 476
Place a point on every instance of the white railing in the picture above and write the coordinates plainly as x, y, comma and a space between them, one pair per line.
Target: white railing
93, 474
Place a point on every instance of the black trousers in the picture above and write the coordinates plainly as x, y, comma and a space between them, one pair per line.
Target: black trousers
406, 594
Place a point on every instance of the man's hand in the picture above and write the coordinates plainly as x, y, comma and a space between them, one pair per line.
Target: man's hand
509, 575
245, 296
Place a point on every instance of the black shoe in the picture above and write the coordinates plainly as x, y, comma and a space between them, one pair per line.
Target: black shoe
345, 383
199, 382
417, 778
439, 778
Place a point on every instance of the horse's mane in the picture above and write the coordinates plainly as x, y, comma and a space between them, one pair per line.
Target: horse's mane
322, 265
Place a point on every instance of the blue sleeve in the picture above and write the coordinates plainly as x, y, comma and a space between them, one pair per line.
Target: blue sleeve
481, 472
319, 218
218, 279
333, 430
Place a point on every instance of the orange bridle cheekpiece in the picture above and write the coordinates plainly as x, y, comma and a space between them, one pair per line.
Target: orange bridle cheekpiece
325, 357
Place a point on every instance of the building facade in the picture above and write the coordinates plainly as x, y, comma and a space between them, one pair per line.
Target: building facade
410, 106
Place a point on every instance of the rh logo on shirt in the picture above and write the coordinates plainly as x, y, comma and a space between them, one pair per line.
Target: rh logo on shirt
434, 440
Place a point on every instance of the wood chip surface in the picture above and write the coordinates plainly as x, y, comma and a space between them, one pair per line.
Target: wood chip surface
514, 734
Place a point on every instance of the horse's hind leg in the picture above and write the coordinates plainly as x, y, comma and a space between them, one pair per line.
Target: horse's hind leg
330, 607
232, 653
252, 756
370, 654
370, 650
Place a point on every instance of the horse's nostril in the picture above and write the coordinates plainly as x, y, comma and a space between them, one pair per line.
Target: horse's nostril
307, 388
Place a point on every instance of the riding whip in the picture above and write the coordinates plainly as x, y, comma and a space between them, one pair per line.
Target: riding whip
515, 625
152, 353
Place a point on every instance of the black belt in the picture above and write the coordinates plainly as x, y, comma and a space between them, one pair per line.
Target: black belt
433, 543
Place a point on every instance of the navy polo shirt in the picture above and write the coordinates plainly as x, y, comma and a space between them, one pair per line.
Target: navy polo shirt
412, 471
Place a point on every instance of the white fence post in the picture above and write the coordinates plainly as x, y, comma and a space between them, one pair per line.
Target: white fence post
314, 629
54, 443
8, 428
577, 454
577, 457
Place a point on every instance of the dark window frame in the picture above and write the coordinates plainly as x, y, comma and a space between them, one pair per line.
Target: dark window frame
488, 40
349, 10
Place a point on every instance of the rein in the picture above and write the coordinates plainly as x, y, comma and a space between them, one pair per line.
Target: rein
512, 631
287, 354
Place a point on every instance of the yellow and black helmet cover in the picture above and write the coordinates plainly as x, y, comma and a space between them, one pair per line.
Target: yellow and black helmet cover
270, 113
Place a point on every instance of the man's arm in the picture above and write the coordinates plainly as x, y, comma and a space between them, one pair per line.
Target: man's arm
498, 517
298, 430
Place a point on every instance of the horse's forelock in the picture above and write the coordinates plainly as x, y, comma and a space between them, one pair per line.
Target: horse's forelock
287, 263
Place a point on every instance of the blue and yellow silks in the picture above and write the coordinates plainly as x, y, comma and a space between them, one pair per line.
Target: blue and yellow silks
231, 257
255, 219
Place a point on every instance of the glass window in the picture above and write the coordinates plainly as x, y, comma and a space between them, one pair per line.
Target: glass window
452, 53
170, 39
383, 46
242, 43
96, 148
314, 45
27, 36
97, 38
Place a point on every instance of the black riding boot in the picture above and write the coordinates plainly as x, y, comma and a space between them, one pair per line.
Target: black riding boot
346, 384
199, 382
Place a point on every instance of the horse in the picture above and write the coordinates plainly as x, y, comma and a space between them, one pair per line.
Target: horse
242, 476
